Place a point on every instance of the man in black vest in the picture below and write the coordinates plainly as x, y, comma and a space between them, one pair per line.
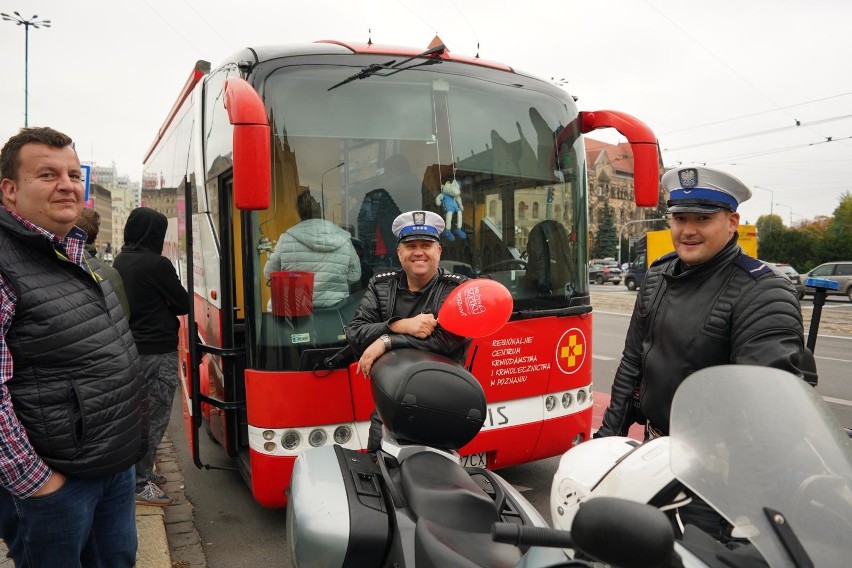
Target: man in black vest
73, 412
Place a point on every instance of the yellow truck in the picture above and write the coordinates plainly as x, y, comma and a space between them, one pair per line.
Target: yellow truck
657, 243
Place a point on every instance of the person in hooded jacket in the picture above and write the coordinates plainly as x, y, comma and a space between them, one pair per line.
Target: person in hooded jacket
90, 221
156, 297
318, 246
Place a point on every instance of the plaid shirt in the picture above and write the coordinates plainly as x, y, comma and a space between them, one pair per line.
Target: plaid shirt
22, 472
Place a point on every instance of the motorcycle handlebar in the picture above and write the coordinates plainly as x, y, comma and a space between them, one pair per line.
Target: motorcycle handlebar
518, 535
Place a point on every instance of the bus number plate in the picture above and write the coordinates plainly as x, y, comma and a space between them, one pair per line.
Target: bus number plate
475, 460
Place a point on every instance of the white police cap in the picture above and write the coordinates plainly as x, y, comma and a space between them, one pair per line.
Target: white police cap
418, 226
697, 189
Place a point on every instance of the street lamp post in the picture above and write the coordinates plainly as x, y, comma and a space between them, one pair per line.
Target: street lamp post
35, 23
772, 194
621, 231
791, 211
322, 185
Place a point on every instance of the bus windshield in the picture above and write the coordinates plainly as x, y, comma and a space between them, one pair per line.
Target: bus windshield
364, 152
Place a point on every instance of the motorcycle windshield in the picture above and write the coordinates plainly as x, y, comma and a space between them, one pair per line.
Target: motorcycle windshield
747, 438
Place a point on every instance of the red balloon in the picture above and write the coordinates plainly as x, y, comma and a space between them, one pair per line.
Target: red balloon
476, 308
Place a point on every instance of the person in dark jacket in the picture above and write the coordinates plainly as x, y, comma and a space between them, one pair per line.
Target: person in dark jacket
400, 307
90, 222
156, 298
73, 410
705, 304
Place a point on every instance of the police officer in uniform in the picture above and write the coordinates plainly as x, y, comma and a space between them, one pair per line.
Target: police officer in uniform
400, 307
705, 304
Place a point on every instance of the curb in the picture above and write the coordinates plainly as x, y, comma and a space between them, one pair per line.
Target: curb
153, 551
181, 541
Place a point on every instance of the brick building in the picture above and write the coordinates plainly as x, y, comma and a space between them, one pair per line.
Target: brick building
610, 172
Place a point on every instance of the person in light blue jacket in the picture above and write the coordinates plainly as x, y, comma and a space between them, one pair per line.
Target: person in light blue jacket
318, 246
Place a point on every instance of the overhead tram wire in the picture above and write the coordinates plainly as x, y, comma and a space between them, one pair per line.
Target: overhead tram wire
735, 118
760, 133
720, 60
775, 151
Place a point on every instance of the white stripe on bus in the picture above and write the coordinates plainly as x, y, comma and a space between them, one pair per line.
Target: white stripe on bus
503, 414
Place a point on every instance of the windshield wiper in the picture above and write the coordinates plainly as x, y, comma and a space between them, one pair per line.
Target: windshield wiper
392, 67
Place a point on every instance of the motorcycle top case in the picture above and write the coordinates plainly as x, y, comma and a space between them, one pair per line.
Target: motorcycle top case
425, 398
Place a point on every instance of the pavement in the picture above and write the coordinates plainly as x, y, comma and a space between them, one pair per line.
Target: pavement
167, 535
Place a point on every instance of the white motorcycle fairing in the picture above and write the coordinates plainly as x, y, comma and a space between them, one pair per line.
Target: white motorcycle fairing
613, 467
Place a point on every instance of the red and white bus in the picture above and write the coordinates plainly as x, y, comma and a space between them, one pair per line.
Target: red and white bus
372, 131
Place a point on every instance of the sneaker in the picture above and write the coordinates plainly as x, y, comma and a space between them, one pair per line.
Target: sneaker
153, 495
158, 479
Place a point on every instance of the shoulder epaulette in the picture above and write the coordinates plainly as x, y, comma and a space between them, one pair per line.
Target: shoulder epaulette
664, 258
752, 266
453, 277
388, 275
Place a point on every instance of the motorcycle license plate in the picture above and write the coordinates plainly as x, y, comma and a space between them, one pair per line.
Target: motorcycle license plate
475, 460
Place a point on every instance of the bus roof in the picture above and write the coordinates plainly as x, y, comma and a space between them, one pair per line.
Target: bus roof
320, 47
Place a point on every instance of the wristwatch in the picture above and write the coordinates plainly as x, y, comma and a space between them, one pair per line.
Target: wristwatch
386, 340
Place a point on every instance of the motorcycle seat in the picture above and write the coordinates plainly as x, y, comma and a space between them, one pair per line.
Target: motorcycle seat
440, 490
437, 546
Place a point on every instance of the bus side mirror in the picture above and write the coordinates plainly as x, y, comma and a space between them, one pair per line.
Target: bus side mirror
646, 161
252, 156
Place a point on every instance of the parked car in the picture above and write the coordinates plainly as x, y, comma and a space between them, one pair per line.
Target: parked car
601, 274
608, 261
792, 275
840, 272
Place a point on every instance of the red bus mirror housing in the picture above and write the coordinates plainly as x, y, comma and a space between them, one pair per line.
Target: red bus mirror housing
646, 161
251, 158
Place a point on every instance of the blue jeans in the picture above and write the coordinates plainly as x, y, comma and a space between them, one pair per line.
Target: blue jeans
89, 523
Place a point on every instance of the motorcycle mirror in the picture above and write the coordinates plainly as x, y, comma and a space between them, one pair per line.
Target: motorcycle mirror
624, 533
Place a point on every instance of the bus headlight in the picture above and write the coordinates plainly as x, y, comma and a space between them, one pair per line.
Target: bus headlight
342, 434
269, 446
581, 396
290, 440
567, 400
317, 437
268, 434
550, 402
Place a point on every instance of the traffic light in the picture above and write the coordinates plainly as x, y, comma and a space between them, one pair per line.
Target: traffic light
550, 194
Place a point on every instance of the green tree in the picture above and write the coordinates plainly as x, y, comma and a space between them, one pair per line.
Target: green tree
770, 235
606, 239
837, 242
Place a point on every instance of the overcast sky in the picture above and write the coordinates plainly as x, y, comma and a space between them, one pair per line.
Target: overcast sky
721, 82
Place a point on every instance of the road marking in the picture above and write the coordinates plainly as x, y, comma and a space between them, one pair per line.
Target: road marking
603, 358
837, 401
833, 336
827, 359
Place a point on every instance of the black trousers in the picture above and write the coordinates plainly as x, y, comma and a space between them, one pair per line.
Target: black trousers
374, 440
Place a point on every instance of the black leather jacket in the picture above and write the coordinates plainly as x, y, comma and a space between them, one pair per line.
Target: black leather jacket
378, 309
731, 309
